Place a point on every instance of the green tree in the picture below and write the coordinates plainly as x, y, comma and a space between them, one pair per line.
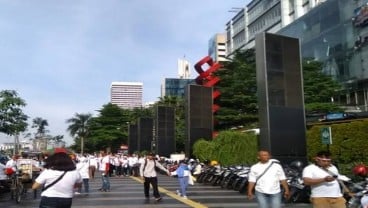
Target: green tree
40, 125
12, 119
78, 126
318, 88
109, 129
238, 100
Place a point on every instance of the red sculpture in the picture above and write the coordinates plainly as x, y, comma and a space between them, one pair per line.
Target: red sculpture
208, 79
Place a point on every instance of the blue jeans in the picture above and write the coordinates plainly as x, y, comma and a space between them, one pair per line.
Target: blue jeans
268, 200
183, 181
86, 186
105, 182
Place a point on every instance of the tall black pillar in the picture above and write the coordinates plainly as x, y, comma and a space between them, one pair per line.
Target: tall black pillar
132, 138
145, 134
198, 115
165, 131
280, 96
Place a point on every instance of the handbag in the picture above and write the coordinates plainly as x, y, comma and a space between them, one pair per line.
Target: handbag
54, 182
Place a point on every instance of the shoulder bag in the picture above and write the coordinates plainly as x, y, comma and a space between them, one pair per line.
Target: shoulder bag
265, 171
54, 182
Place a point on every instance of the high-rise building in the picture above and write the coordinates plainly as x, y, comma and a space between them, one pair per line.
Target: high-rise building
127, 95
174, 87
263, 16
183, 69
217, 47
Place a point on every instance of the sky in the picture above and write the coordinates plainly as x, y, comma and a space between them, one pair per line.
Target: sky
61, 56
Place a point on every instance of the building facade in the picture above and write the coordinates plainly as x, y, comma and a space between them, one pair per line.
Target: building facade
217, 47
336, 34
263, 16
127, 95
183, 68
175, 87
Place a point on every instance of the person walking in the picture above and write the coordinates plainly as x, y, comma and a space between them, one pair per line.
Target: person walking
104, 168
149, 175
265, 177
58, 179
93, 164
183, 174
322, 177
83, 168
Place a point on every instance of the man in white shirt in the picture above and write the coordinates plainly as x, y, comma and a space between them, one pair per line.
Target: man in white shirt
322, 177
266, 176
148, 174
104, 168
12, 163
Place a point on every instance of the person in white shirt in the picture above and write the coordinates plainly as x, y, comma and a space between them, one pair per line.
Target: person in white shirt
265, 177
58, 181
92, 166
12, 163
83, 168
149, 175
322, 178
104, 168
124, 165
133, 165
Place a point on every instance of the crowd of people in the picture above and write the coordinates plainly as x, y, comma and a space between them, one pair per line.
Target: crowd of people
63, 175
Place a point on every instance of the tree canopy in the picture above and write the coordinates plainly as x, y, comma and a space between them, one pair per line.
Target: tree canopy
12, 119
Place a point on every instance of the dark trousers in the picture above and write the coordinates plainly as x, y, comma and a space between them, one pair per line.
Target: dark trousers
86, 186
55, 202
153, 182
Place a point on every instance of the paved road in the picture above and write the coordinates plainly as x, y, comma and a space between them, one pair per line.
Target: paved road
127, 192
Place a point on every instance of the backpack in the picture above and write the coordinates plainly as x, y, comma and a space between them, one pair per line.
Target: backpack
145, 163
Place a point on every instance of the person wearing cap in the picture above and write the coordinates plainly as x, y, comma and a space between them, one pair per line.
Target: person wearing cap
58, 181
322, 177
148, 174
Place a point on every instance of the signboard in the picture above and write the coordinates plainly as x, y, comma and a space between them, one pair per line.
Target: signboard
326, 136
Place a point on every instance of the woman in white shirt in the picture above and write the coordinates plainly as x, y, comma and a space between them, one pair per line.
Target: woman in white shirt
60, 169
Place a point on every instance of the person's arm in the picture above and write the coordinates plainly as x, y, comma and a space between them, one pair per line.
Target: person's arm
286, 188
36, 185
250, 190
158, 164
315, 181
141, 169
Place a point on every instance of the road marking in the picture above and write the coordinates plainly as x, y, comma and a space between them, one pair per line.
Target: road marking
174, 195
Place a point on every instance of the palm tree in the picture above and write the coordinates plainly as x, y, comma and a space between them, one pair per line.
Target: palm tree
79, 127
40, 124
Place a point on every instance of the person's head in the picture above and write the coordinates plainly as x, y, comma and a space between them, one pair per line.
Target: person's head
323, 159
151, 156
263, 156
60, 161
15, 157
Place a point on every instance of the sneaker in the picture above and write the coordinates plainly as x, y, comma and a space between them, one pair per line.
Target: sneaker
158, 199
77, 193
185, 197
178, 192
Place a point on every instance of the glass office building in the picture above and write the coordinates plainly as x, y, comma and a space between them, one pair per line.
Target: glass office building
336, 33
175, 87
